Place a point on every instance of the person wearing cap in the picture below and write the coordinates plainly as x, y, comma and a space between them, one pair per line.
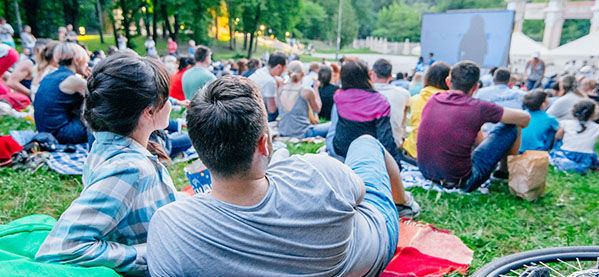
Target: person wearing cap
534, 71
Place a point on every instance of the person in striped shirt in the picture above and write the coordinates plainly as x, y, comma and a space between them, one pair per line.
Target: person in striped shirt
123, 184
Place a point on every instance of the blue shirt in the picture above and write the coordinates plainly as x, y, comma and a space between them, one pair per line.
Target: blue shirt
500, 95
107, 225
540, 132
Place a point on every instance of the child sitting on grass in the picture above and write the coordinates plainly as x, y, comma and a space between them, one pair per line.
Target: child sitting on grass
579, 137
541, 131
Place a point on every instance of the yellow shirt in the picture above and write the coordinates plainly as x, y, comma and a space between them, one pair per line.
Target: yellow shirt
417, 103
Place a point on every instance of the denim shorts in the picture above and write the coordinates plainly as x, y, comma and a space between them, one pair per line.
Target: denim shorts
366, 157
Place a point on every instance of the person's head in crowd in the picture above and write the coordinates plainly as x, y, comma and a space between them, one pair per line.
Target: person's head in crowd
169, 40
381, 71
589, 86
232, 65
27, 29
501, 76
535, 56
227, 125
253, 64
2, 20
399, 76
185, 63
431, 55
464, 77
536, 100
203, 56
314, 67
277, 63
568, 84
336, 75
354, 75
242, 65
420, 59
436, 75
46, 55
418, 78
27, 52
72, 56
492, 70
584, 111
69, 27
296, 71
38, 47
111, 50
324, 75
128, 95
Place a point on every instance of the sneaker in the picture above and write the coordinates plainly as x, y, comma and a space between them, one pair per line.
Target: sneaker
500, 176
410, 209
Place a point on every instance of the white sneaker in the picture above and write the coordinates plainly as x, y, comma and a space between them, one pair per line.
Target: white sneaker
410, 209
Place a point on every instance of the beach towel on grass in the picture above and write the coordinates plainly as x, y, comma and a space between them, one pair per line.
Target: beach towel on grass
423, 250
20, 241
411, 177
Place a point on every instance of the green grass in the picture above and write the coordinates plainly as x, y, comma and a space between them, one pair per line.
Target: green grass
493, 225
347, 51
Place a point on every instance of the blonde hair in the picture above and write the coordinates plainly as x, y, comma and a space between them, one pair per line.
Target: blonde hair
296, 71
418, 78
68, 53
569, 84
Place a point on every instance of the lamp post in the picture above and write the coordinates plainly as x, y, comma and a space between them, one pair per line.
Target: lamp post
338, 32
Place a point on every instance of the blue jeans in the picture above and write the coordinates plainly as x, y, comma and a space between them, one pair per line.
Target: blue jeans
273, 116
73, 132
173, 126
318, 130
366, 157
331, 134
489, 153
179, 142
532, 84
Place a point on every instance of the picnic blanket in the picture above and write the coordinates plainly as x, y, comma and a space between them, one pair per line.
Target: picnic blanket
423, 250
72, 163
412, 177
20, 241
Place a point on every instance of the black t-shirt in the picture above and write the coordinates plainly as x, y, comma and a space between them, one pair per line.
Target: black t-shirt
326, 96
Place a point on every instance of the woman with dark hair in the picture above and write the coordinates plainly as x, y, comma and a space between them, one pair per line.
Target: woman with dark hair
57, 105
570, 95
326, 91
123, 184
176, 89
361, 110
434, 82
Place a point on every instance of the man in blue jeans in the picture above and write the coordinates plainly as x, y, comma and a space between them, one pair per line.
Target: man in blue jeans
305, 215
452, 150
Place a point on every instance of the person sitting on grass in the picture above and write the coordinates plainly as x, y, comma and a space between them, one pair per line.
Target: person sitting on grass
451, 149
579, 137
540, 133
123, 184
57, 104
306, 215
294, 101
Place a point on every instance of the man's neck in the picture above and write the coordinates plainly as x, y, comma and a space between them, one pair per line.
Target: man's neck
240, 191
202, 64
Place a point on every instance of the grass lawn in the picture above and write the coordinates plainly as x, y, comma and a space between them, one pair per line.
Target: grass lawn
493, 225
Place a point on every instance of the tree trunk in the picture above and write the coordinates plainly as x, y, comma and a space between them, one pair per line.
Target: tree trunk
100, 20
154, 19
115, 32
177, 27
125, 22
231, 34
31, 7
245, 41
216, 24
256, 18
256, 45
18, 13
167, 23
146, 17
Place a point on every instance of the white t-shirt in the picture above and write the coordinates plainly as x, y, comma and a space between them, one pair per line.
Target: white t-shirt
265, 82
583, 142
398, 99
561, 108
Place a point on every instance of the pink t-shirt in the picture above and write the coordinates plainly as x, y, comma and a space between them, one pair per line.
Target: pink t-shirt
450, 123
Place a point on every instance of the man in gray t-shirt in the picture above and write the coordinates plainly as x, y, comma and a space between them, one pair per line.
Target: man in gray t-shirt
305, 215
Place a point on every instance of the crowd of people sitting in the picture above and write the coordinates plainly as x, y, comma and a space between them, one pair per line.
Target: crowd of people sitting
268, 213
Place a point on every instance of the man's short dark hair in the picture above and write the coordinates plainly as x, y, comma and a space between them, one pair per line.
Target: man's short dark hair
253, 64
324, 75
201, 53
225, 121
431, 54
501, 76
184, 62
277, 58
399, 76
534, 99
382, 68
464, 76
436, 75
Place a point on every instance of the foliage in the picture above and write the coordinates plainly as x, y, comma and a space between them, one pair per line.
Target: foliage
445, 5
574, 29
534, 29
349, 25
313, 23
400, 21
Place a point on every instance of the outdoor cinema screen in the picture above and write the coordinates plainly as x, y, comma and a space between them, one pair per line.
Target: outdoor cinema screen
481, 36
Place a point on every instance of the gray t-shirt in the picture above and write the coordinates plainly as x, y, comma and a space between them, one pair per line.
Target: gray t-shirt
309, 224
562, 107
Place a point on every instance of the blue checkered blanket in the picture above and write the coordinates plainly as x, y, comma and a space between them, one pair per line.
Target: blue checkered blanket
72, 163
411, 177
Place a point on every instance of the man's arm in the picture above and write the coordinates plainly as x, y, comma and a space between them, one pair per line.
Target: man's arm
73, 84
517, 117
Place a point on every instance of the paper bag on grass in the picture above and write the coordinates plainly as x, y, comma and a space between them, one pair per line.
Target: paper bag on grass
528, 173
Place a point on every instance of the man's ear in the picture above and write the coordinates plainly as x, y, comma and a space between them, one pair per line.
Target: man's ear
263, 145
448, 81
473, 89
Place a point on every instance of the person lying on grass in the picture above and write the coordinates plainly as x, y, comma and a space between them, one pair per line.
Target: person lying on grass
306, 215
123, 184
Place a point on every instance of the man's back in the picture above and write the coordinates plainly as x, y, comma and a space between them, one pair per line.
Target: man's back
310, 223
501, 95
447, 132
265, 82
398, 99
194, 79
